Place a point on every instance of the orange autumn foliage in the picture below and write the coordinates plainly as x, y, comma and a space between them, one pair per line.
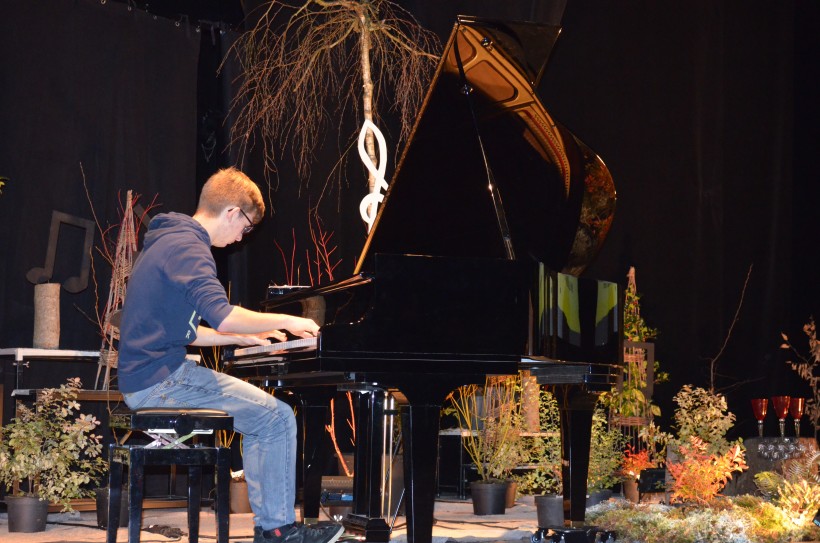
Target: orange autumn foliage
701, 476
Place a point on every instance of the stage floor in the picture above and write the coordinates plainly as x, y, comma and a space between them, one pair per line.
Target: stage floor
454, 521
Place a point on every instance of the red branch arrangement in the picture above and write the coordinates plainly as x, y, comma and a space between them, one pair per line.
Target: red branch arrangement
331, 429
634, 462
320, 265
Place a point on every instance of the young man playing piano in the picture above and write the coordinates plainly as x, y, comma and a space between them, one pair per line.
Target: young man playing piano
172, 287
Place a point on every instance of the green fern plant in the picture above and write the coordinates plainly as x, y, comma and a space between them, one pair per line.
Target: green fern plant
797, 491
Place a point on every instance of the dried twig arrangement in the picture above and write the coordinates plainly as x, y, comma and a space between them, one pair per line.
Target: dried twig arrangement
320, 265
299, 57
808, 368
714, 360
119, 253
331, 429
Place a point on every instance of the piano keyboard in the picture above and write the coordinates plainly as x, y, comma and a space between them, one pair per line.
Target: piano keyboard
279, 347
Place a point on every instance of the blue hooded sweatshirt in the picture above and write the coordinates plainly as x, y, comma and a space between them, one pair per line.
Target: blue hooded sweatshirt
172, 287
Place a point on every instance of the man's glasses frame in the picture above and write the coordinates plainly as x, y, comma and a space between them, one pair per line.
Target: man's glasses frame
251, 225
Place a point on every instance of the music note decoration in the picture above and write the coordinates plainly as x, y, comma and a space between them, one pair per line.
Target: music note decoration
76, 283
141, 216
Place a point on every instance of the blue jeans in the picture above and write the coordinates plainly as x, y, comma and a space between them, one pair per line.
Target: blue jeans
268, 427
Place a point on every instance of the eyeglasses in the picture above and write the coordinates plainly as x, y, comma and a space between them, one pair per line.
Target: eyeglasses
251, 225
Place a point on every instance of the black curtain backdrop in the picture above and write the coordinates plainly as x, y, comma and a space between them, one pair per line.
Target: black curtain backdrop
704, 111
94, 84
691, 105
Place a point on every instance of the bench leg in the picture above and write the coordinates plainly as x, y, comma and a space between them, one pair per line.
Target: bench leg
137, 459
136, 479
223, 478
194, 496
114, 495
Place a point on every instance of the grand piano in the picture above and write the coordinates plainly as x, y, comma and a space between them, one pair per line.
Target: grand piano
471, 268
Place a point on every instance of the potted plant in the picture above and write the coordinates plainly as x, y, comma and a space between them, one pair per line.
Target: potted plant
634, 462
701, 459
703, 414
491, 435
807, 367
630, 401
605, 457
51, 452
542, 458
641, 459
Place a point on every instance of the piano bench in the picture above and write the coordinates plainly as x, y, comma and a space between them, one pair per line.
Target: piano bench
170, 428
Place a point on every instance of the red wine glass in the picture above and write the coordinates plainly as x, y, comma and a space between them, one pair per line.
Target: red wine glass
759, 406
796, 408
781, 409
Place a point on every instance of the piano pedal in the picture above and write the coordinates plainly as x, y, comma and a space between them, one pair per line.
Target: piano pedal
590, 534
374, 529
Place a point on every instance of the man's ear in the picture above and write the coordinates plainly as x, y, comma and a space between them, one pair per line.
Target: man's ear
227, 211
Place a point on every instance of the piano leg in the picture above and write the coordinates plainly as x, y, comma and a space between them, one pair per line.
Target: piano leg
315, 406
369, 454
576, 408
420, 427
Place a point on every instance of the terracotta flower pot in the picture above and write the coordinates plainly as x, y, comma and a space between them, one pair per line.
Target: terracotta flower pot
630, 488
512, 489
239, 497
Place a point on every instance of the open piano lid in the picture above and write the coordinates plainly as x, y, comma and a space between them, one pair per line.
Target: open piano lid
555, 197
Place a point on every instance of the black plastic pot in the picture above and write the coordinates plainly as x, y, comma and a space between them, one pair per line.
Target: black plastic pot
27, 514
550, 510
489, 498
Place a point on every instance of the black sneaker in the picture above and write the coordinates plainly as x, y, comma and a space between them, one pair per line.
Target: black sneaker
299, 533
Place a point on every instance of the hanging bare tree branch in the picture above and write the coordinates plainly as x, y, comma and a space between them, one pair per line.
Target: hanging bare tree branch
714, 360
299, 59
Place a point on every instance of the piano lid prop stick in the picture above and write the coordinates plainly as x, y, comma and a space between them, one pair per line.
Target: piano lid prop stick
370, 203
